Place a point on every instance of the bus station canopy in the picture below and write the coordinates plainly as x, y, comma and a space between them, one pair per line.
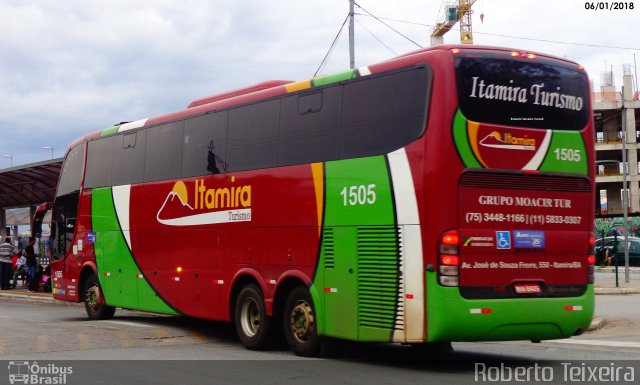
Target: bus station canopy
30, 184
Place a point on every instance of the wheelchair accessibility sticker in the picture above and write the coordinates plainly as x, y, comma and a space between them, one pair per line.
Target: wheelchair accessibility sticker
503, 240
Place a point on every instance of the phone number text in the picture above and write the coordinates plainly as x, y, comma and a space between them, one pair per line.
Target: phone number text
529, 219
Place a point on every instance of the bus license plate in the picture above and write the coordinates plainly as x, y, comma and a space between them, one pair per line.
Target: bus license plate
527, 288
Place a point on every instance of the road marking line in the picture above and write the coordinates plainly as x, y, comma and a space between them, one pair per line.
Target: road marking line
615, 344
136, 324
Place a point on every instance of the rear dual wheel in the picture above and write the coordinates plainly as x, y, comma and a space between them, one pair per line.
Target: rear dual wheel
300, 323
257, 331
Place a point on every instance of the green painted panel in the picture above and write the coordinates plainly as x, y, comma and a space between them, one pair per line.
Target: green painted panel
358, 193
334, 78
567, 154
110, 130
358, 267
449, 316
117, 271
461, 139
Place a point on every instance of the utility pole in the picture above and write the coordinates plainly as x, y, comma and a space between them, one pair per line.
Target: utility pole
352, 55
625, 190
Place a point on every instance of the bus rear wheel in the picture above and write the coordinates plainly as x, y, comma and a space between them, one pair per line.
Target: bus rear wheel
94, 303
252, 323
300, 323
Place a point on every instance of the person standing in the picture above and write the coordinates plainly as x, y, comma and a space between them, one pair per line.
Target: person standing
6, 252
32, 264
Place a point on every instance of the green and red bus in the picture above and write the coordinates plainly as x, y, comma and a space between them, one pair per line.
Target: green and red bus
443, 195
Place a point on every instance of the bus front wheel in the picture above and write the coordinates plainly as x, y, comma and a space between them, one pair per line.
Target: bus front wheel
94, 303
300, 323
252, 323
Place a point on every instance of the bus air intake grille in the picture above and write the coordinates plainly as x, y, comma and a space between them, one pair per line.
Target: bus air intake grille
378, 276
329, 248
519, 181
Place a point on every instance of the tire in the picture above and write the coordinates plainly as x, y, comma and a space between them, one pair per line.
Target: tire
94, 303
300, 323
252, 323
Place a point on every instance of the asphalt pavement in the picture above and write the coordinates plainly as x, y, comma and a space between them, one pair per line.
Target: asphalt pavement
607, 282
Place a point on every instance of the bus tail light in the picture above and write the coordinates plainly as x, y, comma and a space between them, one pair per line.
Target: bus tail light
448, 259
591, 260
524, 55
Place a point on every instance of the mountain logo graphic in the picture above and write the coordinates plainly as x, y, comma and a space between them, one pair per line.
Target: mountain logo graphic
508, 142
209, 205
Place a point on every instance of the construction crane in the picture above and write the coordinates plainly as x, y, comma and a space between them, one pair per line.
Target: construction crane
459, 10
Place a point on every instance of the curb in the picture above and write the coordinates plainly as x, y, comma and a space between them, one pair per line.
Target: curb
596, 323
616, 290
43, 298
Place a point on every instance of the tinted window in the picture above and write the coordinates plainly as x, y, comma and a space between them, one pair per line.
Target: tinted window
71, 174
309, 127
526, 93
205, 145
128, 158
253, 134
163, 159
63, 224
384, 113
99, 160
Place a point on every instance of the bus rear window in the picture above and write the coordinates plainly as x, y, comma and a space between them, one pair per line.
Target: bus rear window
539, 93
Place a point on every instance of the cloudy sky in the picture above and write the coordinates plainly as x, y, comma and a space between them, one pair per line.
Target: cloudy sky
76, 66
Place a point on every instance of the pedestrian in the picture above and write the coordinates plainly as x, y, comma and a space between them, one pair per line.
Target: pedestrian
32, 264
6, 252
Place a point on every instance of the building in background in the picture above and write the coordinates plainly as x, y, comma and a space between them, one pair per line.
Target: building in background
610, 107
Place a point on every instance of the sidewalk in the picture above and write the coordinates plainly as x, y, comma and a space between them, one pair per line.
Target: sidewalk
23, 294
606, 281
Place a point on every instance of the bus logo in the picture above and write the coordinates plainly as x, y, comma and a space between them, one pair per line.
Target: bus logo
206, 205
19, 372
503, 240
508, 142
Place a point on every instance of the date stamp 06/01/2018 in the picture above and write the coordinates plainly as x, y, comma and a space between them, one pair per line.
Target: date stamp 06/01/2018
609, 5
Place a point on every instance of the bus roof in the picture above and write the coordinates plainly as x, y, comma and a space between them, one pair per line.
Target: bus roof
274, 88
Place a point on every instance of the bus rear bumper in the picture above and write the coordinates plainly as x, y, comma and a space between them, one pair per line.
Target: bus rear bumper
450, 317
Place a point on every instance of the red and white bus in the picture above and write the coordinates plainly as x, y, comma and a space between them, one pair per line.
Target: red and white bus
443, 195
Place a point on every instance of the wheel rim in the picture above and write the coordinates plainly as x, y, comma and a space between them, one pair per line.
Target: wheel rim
302, 321
250, 317
93, 297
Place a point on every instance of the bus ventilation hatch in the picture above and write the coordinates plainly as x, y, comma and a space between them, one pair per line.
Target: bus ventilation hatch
378, 276
525, 181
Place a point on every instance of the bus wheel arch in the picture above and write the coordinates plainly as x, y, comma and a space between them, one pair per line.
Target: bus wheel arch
87, 271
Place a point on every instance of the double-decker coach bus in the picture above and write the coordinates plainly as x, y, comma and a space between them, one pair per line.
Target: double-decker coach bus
444, 195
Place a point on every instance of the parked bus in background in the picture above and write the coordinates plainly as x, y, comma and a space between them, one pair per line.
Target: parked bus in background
444, 195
